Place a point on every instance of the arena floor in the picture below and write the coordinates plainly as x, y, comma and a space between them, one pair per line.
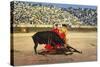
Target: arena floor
83, 41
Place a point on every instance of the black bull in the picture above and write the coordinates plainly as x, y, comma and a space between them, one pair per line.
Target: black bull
47, 37
52, 38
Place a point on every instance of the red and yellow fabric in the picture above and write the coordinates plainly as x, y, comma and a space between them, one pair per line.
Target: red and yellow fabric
62, 32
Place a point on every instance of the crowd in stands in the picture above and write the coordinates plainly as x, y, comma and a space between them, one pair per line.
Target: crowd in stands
29, 13
86, 15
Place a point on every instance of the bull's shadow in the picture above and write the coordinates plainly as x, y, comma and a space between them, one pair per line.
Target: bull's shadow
62, 51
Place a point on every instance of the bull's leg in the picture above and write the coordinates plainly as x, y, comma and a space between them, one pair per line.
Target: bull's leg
54, 46
35, 47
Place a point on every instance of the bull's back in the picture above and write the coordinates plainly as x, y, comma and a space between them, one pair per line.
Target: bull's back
44, 36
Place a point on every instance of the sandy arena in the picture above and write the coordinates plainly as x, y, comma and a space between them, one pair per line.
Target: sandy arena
83, 41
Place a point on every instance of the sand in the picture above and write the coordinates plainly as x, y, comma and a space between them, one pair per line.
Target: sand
83, 41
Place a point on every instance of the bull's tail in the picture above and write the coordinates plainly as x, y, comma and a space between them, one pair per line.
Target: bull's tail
35, 44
